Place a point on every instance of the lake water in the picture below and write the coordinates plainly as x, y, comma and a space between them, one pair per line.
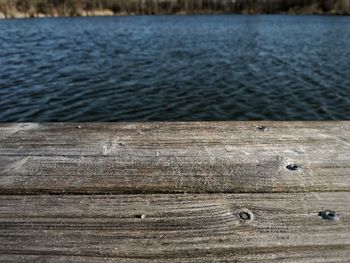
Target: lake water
175, 68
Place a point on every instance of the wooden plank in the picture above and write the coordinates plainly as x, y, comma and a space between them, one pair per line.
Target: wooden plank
193, 157
176, 228
95, 139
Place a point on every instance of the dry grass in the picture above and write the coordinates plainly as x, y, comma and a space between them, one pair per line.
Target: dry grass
33, 8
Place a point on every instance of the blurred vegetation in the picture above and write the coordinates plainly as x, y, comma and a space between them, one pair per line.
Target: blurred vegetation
85, 7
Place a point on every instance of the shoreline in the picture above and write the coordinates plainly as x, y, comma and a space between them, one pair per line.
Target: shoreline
72, 8
109, 13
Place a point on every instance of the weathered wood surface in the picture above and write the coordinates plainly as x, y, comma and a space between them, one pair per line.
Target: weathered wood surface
119, 192
211, 157
183, 228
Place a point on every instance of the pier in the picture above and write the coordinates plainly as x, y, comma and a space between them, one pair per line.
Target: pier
175, 192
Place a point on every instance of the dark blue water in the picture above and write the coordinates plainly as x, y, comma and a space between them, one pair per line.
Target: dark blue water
175, 68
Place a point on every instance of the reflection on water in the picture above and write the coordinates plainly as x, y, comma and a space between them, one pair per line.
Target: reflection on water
175, 68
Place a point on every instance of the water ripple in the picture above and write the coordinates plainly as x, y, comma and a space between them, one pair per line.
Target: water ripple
175, 68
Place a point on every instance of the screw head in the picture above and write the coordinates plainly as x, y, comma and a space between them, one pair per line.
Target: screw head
293, 167
328, 215
261, 128
244, 216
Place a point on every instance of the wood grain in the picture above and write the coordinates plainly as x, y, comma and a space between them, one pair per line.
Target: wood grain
175, 192
181, 228
189, 157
